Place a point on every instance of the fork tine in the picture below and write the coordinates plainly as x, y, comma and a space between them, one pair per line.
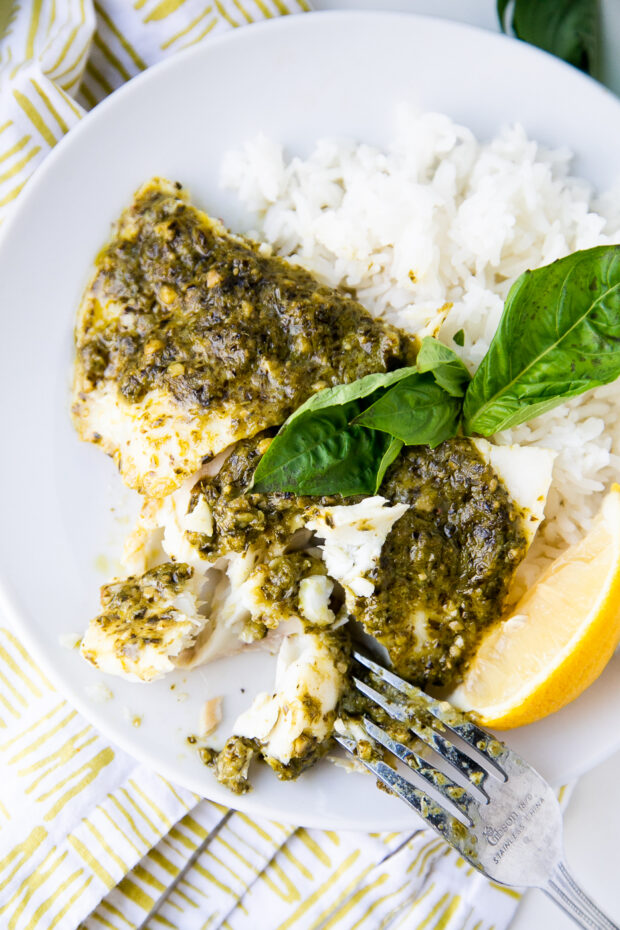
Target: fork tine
482, 742
444, 823
454, 794
475, 774
390, 707
386, 674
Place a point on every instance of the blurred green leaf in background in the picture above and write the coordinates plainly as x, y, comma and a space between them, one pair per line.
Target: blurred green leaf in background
569, 29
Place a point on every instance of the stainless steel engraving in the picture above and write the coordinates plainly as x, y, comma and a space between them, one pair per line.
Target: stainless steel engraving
480, 796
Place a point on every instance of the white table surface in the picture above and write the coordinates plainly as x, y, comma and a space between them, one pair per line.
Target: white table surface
592, 820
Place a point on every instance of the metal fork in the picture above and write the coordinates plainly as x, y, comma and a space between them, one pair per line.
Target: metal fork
493, 807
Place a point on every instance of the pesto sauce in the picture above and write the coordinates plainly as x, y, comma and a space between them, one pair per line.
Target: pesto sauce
278, 591
444, 569
307, 751
138, 610
179, 304
446, 566
282, 576
242, 519
232, 763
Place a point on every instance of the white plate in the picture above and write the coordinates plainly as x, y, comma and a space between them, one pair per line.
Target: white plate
296, 79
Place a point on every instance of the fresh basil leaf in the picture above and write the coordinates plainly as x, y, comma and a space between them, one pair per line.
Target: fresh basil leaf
317, 451
559, 336
355, 390
322, 453
444, 364
569, 29
417, 411
390, 454
459, 337
502, 6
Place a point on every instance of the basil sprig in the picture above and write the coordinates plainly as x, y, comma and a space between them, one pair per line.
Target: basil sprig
320, 451
343, 439
559, 336
323, 452
325, 447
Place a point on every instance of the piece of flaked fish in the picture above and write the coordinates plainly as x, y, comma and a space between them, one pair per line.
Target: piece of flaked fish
293, 723
210, 716
145, 624
526, 472
445, 570
162, 530
189, 338
353, 535
315, 592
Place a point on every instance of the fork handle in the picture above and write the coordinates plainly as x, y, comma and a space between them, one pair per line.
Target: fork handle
564, 890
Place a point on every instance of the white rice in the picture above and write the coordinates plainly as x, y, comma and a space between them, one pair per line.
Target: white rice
431, 232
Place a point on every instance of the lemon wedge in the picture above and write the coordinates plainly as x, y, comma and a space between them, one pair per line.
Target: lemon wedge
559, 636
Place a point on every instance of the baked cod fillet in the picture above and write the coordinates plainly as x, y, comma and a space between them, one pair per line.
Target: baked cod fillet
189, 338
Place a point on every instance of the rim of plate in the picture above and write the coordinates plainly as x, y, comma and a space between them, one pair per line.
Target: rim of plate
251, 802
255, 29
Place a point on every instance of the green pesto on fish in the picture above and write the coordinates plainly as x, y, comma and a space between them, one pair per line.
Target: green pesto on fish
138, 609
232, 763
188, 326
276, 591
146, 621
444, 570
241, 517
241, 323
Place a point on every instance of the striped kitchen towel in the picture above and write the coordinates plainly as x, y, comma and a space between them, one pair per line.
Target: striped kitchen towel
59, 58
89, 837
85, 830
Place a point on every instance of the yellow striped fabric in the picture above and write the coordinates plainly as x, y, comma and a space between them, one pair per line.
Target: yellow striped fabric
59, 58
88, 837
